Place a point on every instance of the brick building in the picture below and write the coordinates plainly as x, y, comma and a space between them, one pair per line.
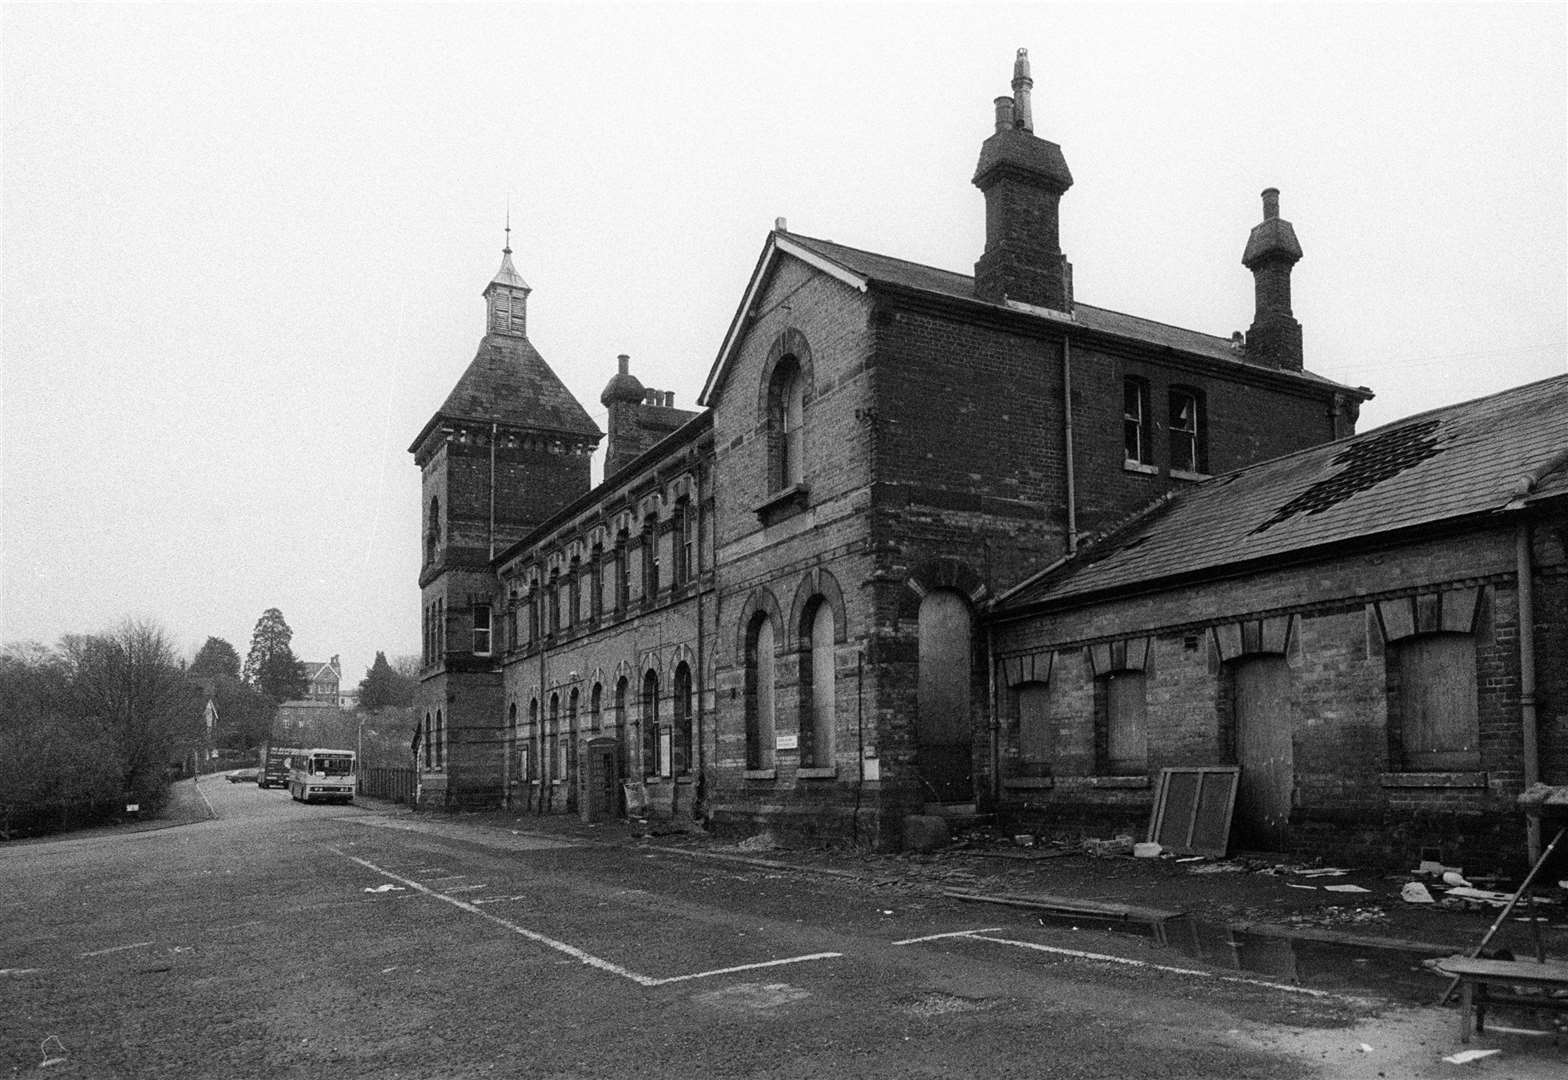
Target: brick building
1373, 630
323, 680
773, 611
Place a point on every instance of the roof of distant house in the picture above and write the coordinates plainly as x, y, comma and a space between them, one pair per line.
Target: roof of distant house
1501, 452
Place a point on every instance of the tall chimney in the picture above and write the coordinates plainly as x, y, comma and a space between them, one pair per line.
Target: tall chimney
1272, 249
621, 397
1023, 178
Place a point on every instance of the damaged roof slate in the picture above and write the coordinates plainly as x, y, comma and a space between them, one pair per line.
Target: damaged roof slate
1449, 463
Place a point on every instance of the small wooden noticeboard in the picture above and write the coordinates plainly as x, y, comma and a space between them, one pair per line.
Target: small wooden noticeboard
1192, 809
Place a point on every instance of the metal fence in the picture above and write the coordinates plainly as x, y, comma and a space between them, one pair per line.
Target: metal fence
397, 783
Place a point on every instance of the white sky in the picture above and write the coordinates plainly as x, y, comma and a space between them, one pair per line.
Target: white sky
243, 246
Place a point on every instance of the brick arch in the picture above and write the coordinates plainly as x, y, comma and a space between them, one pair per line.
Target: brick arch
790, 342
761, 601
681, 652
817, 582
940, 574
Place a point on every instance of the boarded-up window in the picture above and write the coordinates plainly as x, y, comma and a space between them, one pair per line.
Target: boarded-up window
1035, 742
1436, 699
1126, 741
824, 691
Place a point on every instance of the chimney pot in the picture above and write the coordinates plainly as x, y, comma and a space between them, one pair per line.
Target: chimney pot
669, 399
1270, 203
1004, 113
1022, 84
625, 363
780, 225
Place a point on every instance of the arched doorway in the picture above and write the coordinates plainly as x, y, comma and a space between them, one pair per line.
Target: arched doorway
943, 728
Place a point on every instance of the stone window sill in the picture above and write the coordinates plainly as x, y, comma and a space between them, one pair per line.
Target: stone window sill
1140, 467
1119, 781
828, 773
1183, 474
782, 504
1442, 780
1029, 783
761, 774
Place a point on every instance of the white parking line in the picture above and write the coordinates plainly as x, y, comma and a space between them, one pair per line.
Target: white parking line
955, 933
1079, 954
571, 950
115, 949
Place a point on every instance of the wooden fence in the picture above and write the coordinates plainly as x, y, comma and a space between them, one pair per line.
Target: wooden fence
397, 783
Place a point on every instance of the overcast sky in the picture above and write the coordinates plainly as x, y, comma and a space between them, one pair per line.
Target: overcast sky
243, 246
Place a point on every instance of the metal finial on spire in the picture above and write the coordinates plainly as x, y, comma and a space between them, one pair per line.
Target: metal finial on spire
507, 250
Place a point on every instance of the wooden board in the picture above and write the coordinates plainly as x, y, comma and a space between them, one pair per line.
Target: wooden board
1192, 809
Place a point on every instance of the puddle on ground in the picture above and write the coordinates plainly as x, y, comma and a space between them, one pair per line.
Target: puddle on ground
1322, 965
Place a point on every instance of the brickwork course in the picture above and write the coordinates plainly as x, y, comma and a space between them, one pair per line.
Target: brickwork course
794, 608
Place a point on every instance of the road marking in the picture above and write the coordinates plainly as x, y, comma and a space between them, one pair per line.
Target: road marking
573, 951
1109, 959
746, 967
115, 949
500, 899
955, 933
20, 971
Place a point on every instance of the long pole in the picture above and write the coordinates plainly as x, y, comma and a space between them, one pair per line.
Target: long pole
1502, 916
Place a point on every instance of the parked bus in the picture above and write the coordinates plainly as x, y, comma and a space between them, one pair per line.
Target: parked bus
275, 765
322, 775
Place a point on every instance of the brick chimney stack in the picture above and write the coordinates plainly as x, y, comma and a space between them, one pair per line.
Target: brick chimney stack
1272, 249
623, 397
1023, 178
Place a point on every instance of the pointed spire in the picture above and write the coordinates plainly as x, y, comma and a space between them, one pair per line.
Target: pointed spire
506, 297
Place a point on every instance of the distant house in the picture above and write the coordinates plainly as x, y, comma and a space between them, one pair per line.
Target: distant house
1372, 630
324, 681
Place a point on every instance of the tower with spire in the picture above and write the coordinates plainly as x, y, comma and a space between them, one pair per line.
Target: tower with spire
508, 448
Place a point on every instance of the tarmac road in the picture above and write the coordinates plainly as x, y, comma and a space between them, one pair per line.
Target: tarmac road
305, 941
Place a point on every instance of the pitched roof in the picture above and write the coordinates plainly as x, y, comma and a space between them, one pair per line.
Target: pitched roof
860, 269
1490, 454
509, 383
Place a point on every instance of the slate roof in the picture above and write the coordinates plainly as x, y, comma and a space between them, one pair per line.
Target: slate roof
509, 383
1451, 463
884, 268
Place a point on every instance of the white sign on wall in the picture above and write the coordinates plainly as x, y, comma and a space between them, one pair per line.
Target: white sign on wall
787, 742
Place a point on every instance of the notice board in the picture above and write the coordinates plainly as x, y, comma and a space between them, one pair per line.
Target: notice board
1192, 809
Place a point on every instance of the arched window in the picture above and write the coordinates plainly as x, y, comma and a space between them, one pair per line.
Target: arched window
683, 714
535, 739
595, 706
428, 739
432, 530
514, 746
786, 424
569, 751
818, 687
622, 730
650, 724
759, 693
440, 741
556, 771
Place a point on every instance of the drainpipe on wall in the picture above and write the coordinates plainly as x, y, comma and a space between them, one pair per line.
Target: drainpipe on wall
1067, 440
996, 717
1532, 764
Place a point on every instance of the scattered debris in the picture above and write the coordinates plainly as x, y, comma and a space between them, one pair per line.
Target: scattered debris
1340, 916
388, 887
1227, 867
1322, 871
1309, 888
44, 1050
1345, 888
1416, 893
1121, 845
1365, 1049
1149, 850
1200, 858
1454, 877
1469, 1055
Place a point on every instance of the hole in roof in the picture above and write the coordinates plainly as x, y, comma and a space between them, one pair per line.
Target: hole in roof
1366, 464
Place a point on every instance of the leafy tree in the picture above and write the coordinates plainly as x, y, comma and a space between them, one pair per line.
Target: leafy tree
244, 714
384, 686
216, 658
271, 666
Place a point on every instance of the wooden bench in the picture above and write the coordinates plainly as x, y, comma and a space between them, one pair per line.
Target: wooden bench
1477, 976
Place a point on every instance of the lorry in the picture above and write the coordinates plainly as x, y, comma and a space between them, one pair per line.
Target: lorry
275, 765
